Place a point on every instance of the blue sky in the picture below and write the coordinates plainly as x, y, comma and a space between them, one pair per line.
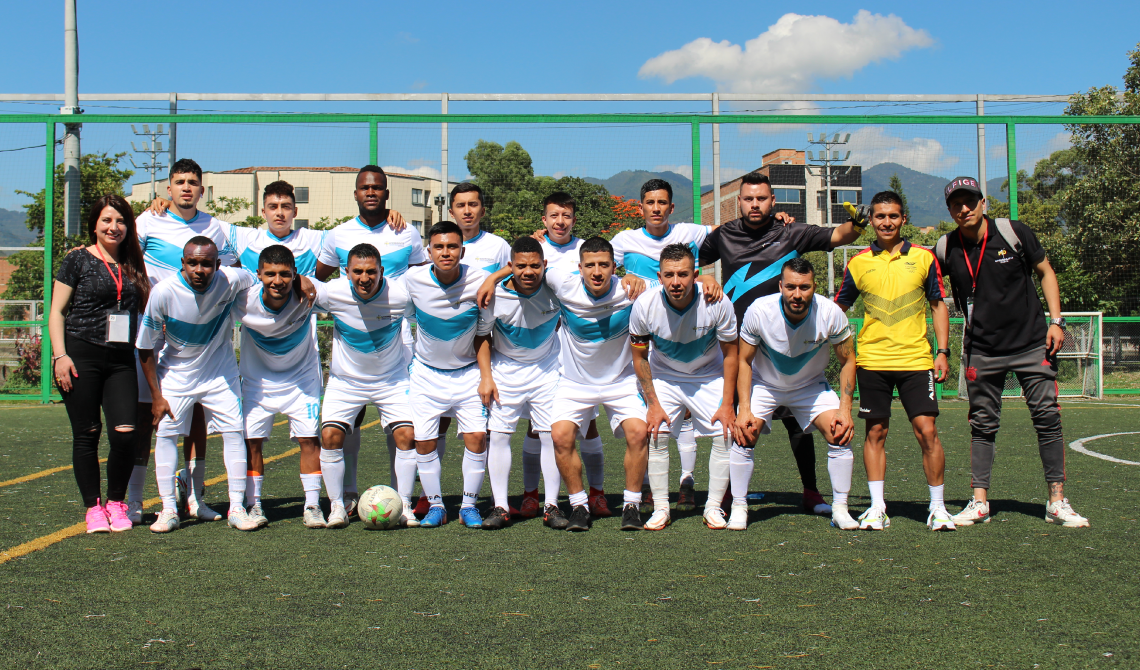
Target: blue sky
589, 47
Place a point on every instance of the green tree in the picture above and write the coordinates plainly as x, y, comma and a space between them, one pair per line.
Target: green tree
896, 185
225, 206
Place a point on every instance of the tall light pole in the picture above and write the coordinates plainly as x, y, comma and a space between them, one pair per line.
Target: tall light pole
71, 186
826, 158
152, 149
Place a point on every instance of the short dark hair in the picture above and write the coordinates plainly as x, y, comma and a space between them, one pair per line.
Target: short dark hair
363, 250
444, 228
527, 245
199, 241
560, 198
277, 254
372, 168
677, 252
279, 187
798, 265
755, 178
884, 197
466, 187
186, 166
595, 245
657, 185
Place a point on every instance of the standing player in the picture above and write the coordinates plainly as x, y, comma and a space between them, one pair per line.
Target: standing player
782, 359
685, 372
445, 375
896, 280
481, 250
752, 249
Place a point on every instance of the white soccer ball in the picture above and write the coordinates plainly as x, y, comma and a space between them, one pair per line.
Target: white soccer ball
380, 508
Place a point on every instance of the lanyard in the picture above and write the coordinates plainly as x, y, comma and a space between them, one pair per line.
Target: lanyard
969, 267
119, 279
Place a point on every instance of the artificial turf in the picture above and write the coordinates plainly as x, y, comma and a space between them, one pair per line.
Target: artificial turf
790, 592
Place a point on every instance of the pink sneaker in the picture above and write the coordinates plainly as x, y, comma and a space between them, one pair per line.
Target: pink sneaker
97, 519
117, 514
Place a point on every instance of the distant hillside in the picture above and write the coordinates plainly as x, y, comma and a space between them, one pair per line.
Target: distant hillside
627, 184
13, 232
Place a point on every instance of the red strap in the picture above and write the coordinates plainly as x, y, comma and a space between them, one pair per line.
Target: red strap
119, 278
973, 272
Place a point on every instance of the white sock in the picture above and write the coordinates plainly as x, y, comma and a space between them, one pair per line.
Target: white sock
137, 484
390, 442
877, 494
253, 489
233, 454
740, 467
658, 471
405, 469
499, 467
631, 497
532, 462
441, 446
332, 471
197, 468
687, 449
165, 460
311, 485
936, 500
593, 461
351, 449
840, 462
474, 467
551, 478
718, 473
429, 468
579, 498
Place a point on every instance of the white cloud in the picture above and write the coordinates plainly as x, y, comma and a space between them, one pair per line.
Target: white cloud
1030, 151
420, 171
871, 145
792, 54
684, 170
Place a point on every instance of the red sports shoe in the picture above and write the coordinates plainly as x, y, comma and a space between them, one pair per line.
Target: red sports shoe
421, 507
530, 505
814, 503
598, 505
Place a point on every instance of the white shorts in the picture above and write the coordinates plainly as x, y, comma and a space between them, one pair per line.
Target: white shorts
302, 404
702, 399
221, 398
435, 393
536, 402
578, 403
344, 399
805, 403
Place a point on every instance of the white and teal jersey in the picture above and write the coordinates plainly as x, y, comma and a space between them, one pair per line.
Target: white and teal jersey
248, 243
198, 330
524, 326
447, 317
397, 250
791, 356
686, 343
640, 253
366, 333
278, 347
487, 252
562, 255
163, 237
595, 348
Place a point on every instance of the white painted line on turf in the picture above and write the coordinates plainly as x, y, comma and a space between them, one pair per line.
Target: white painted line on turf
1079, 445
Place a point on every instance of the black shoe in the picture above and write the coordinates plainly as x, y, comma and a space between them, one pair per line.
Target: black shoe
579, 518
687, 497
646, 502
496, 518
630, 517
552, 516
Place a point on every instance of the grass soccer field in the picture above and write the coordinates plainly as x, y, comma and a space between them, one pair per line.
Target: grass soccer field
790, 592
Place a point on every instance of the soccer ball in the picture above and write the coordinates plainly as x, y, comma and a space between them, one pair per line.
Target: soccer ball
181, 492
380, 508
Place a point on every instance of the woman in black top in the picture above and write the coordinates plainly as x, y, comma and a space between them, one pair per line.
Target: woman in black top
97, 298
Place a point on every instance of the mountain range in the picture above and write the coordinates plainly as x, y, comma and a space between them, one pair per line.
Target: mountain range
923, 191
627, 184
13, 232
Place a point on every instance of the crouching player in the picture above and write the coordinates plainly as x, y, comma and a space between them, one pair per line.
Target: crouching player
782, 359
686, 371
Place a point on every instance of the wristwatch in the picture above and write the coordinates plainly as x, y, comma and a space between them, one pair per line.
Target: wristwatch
1060, 321
943, 351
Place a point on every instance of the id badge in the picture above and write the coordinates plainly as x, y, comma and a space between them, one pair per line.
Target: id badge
118, 326
969, 310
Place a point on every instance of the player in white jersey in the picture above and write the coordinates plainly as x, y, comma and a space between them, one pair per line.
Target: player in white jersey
783, 354
686, 371
367, 368
445, 372
525, 368
279, 209
482, 250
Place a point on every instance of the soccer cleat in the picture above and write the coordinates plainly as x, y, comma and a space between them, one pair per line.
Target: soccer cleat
714, 518
134, 511
814, 503
350, 498
940, 519
313, 517
552, 516
658, 521
976, 511
874, 519
530, 505
422, 506
199, 511
841, 518
496, 518
258, 516
240, 519
97, 521
436, 516
338, 515
117, 516
646, 506
630, 517
470, 517
166, 522
1060, 512
579, 519
738, 516
687, 496
597, 502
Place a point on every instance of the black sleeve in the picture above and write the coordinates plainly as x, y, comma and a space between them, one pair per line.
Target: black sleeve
69, 270
810, 238
1034, 253
710, 249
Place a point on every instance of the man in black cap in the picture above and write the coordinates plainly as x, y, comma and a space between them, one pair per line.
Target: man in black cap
990, 263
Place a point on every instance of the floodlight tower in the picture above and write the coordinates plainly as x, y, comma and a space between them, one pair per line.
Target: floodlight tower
828, 156
151, 149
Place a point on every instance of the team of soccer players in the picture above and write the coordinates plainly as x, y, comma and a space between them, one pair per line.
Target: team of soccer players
545, 330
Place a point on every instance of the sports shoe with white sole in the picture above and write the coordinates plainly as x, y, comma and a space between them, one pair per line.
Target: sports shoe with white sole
351, 499
338, 515
738, 516
258, 516
658, 520
976, 511
874, 519
166, 522
134, 511
240, 519
409, 520
841, 518
940, 520
200, 511
714, 518
1062, 512
313, 517
814, 503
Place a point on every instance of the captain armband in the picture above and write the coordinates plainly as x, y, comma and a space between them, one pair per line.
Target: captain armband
640, 341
